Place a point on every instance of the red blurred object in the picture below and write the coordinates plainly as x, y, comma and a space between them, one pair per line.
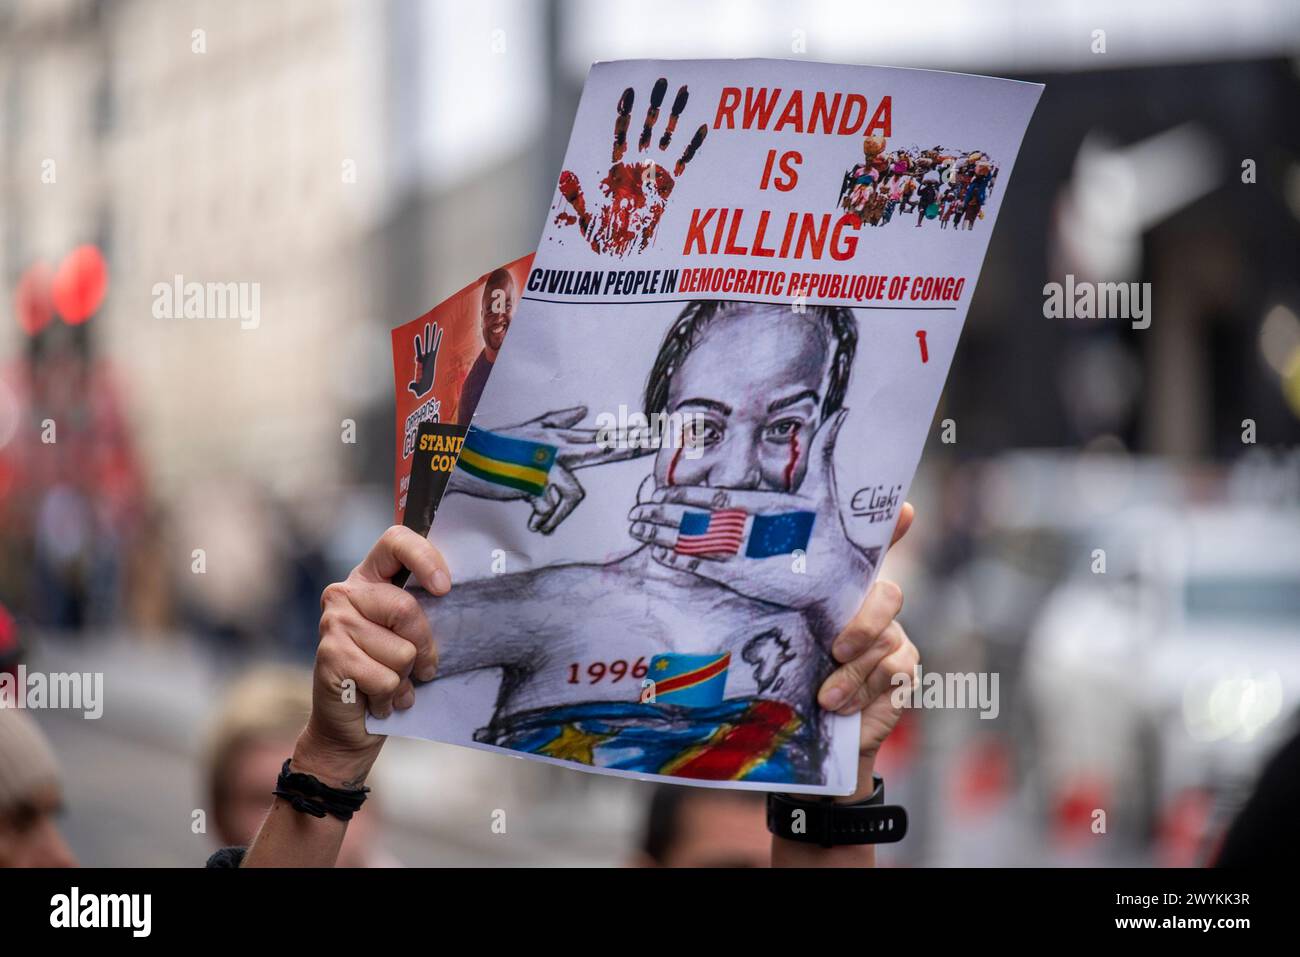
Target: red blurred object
80, 284
1075, 806
8, 643
984, 776
33, 304
899, 749
1184, 829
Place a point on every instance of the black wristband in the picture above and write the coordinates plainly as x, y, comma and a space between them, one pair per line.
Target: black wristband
309, 796
829, 824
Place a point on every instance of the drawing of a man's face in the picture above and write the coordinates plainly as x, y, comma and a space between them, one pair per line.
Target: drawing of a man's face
498, 307
750, 391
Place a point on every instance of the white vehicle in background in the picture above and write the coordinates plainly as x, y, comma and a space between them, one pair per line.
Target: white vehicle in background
1172, 673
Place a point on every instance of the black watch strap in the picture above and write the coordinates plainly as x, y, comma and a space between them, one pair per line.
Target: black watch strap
306, 794
814, 821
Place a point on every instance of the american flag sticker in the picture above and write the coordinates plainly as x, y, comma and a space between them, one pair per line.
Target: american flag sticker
712, 533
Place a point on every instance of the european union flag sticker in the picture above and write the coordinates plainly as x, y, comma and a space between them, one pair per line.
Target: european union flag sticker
779, 534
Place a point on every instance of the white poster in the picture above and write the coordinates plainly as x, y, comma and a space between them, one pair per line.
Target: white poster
717, 381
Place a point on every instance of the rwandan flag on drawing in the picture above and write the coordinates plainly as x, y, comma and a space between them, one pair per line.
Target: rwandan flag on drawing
504, 460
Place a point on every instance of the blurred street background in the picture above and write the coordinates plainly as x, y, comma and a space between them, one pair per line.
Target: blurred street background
363, 160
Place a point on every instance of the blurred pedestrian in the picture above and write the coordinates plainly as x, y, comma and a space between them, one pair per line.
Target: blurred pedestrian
255, 730
700, 827
31, 796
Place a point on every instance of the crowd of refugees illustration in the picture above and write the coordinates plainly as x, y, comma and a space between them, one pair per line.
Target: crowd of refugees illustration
951, 186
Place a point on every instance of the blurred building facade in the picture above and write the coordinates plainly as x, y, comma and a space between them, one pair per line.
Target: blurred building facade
220, 143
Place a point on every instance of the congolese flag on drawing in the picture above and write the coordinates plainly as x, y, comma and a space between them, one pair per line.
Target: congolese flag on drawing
692, 681
504, 460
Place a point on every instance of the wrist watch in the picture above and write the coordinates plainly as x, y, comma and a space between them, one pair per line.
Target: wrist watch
822, 821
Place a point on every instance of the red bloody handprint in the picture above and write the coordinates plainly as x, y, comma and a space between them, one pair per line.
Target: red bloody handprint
635, 192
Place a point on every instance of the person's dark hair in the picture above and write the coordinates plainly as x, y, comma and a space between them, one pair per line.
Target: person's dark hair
685, 334
663, 821
497, 277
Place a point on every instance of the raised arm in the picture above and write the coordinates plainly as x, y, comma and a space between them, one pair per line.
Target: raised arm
875, 655
374, 639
